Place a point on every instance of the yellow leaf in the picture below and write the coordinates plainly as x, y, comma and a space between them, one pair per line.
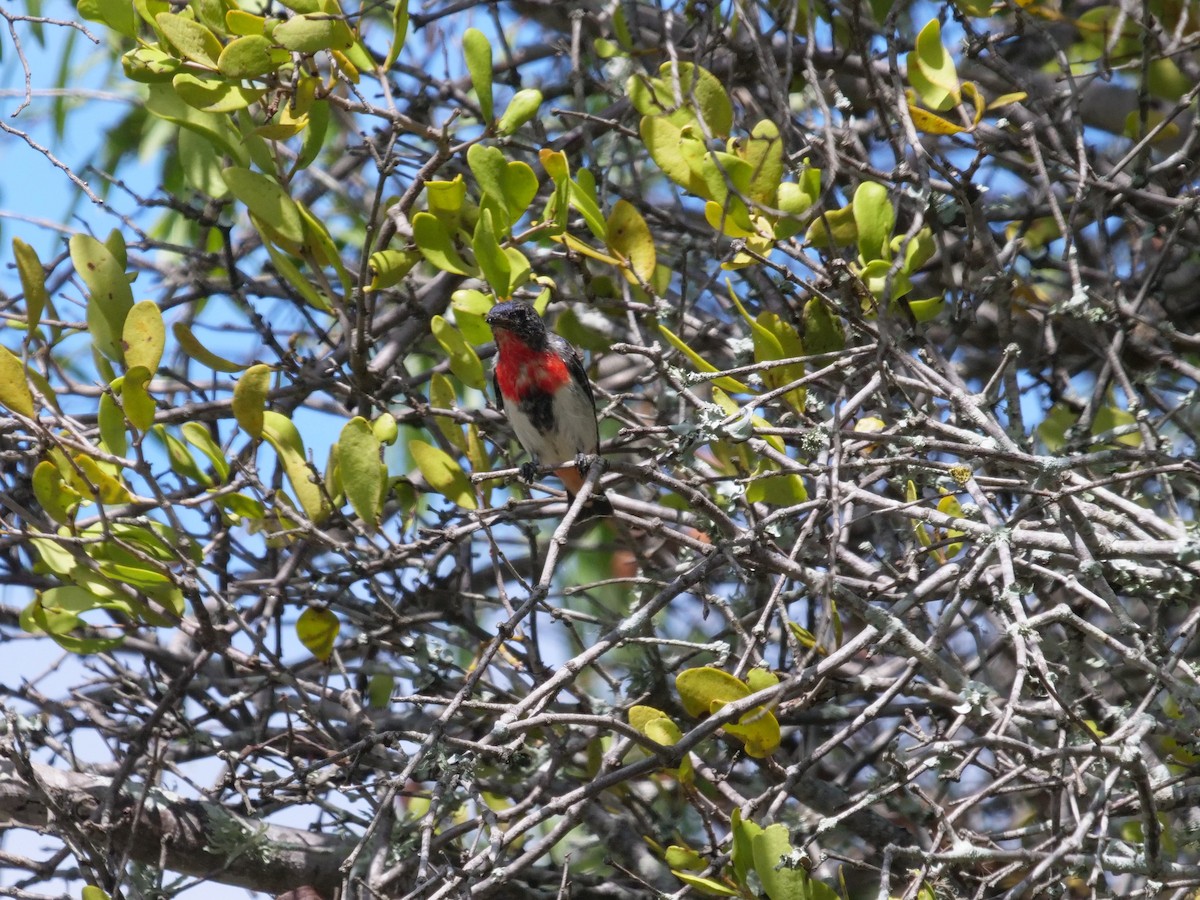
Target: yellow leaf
629, 237
14, 389
250, 399
317, 630
443, 473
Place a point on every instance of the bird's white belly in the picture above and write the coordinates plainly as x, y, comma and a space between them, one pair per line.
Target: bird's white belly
574, 432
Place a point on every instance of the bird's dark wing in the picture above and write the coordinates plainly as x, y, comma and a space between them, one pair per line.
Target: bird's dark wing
496, 391
574, 362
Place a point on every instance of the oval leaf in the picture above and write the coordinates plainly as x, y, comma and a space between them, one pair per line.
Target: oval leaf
33, 281
250, 57
267, 200
702, 689
250, 399
190, 38
873, 219
313, 33
478, 52
464, 362
280, 432
362, 477
436, 245
629, 237
14, 388
317, 630
144, 336
109, 295
443, 474
521, 108
135, 398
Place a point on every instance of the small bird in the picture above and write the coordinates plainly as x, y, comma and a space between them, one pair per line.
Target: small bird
542, 387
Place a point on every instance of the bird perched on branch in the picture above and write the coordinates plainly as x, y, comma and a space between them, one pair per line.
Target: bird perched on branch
543, 389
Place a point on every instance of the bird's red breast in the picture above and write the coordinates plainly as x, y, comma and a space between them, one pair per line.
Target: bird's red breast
522, 370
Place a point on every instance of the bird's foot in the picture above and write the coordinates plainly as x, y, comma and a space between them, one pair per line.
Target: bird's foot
529, 472
584, 462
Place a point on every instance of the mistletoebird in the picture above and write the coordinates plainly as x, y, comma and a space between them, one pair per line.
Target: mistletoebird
542, 388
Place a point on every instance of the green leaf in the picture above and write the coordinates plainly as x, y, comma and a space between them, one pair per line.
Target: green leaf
190, 38
362, 477
707, 886
386, 428
112, 421
214, 95
109, 295
684, 858
464, 361
33, 282
443, 474
521, 108
629, 238
794, 201
823, 331
640, 716
771, 846
250, 56
470, 306
443, 396
742, 853
116, 14
250, 399
243, 23
725, 383
490, 256
144, 336
267, 200
311, 33
478, 52
670, 148
199, 437
291, 273
514, 184
834, 228
917, 251
317, 630
201, 354
53, 494
884, 283
139, 406
582, 192
150, 65
447, 201
763, 151
874, 219
388, 267
399, 33
14, 388
687, 94
379, 690
100, 484
163, 102
314, 135
931, 69
280, 432
436, 246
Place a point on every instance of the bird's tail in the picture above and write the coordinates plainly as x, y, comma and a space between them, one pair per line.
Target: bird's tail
572, 480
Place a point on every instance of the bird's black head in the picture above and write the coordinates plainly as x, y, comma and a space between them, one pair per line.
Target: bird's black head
519, 318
